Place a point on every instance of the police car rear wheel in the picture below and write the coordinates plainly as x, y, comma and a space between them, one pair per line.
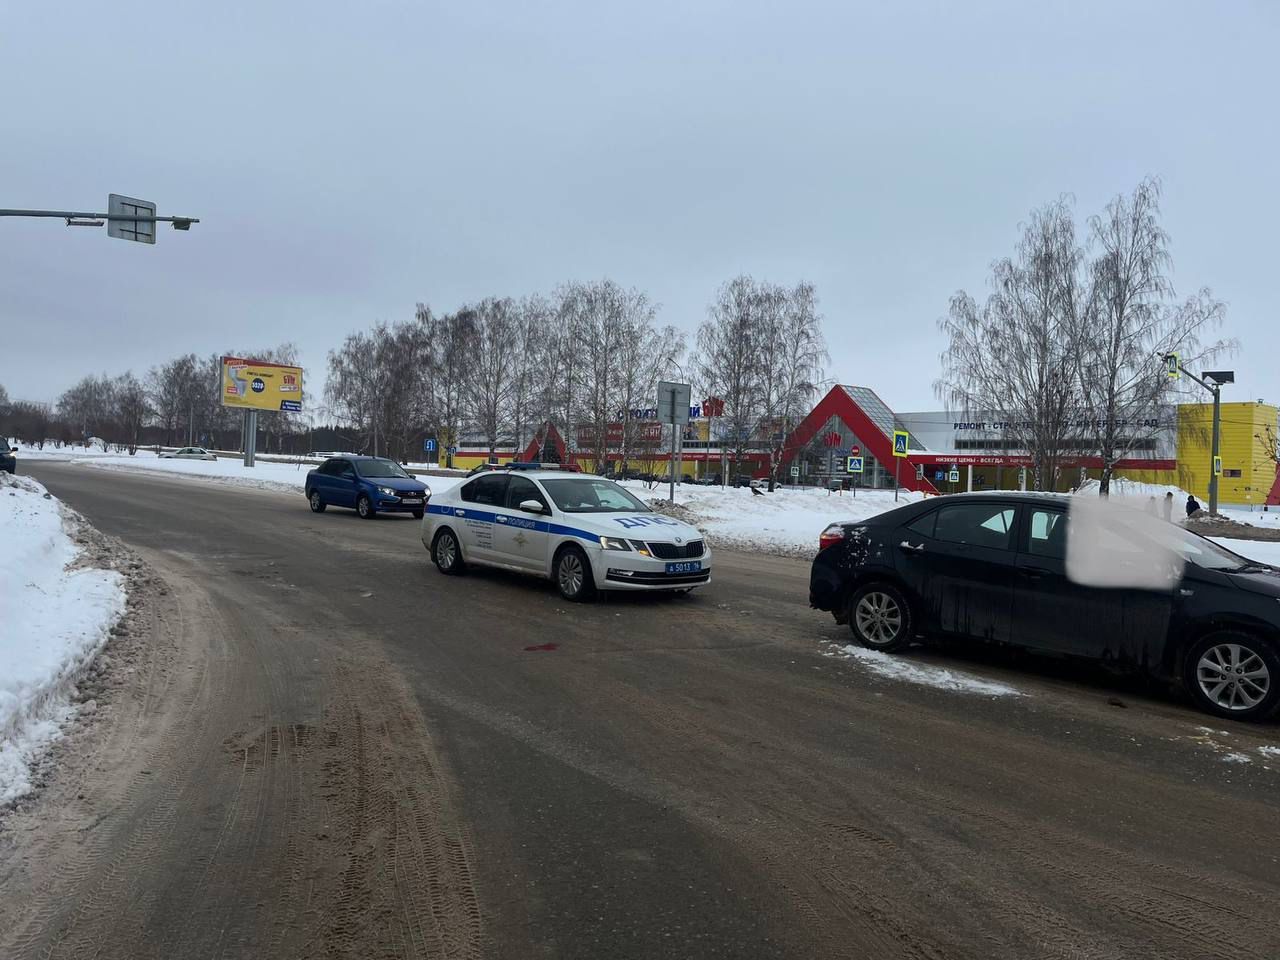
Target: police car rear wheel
573, 575
446, 554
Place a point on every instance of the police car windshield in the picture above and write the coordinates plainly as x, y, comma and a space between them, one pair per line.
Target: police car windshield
379, 468
588, 495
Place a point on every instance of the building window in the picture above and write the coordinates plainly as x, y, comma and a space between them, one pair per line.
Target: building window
1233, 474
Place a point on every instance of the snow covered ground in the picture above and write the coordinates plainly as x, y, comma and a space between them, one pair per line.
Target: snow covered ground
894, 667
264, 475
55, 616
785, 521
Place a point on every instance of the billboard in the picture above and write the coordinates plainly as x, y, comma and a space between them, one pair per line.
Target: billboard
255, 385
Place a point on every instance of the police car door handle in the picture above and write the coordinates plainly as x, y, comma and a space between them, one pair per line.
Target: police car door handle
459, 513
913, 547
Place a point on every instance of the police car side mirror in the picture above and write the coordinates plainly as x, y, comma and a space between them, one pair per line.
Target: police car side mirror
530, 506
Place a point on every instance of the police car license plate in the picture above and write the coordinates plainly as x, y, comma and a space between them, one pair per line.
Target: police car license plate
692, 566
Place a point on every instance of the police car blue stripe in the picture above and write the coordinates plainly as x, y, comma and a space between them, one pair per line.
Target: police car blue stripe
487, 516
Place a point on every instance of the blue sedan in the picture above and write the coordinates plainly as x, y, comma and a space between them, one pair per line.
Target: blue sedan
369, 485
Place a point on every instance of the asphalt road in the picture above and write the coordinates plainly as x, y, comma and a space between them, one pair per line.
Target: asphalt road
328, 749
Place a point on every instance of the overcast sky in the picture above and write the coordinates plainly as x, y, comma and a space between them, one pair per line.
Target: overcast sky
350, 159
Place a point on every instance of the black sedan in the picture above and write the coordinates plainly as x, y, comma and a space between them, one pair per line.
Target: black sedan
994, 567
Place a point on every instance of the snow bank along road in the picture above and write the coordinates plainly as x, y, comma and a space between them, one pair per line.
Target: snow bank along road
326, 748
56, 608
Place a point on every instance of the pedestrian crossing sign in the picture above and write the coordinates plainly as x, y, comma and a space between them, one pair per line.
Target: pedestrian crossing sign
900, 438
1217, 466
853, 465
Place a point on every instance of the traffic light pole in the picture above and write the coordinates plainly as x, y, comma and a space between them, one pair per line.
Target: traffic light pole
1215, 452
76, 218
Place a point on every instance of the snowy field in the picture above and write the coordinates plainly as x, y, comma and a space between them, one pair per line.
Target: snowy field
55, 618
785, 521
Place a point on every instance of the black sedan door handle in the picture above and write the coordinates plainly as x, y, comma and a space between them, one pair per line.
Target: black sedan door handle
1035, 573
913, 547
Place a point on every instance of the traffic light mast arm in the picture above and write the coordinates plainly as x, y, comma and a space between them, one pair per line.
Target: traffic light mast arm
179, 223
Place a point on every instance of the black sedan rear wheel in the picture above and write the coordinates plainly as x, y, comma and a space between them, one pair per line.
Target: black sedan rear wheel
1234, 675
880, 617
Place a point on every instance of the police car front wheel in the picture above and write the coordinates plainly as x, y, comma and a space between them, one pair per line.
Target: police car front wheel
573, 575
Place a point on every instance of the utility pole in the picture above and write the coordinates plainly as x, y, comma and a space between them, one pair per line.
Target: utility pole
1211, 381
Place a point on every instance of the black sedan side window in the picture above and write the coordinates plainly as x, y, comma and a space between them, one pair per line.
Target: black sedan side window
1048, 534
979, 524
923, 525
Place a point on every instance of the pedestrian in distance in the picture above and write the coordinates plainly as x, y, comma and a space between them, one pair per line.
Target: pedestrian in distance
1167, 506
1193, 506
1151, 506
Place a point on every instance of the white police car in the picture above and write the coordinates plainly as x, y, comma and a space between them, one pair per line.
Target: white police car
583, 532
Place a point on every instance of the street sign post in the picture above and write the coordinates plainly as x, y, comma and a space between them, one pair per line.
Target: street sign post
953, 475
673, 409
795, 470
853, 464
900, 441
1217, 466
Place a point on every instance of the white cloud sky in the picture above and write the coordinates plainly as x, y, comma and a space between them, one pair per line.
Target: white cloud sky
348, 161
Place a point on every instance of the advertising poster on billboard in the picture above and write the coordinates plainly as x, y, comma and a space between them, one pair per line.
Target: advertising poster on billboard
255, 385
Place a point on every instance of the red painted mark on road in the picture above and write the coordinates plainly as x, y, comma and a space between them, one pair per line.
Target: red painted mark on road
544, 646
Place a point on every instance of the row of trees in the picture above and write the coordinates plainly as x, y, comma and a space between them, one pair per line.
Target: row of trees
588, 358
1066, 349
178, 401
498, 369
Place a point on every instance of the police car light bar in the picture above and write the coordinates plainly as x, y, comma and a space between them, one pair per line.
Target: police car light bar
534, 465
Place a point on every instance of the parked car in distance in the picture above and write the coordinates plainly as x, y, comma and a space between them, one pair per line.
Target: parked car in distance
188, 453
993, 567
8, 457
369, 485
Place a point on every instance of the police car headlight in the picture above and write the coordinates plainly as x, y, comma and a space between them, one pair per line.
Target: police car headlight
613, 543
389, 491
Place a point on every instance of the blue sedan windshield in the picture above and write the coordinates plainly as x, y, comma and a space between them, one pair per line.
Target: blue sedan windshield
380, 468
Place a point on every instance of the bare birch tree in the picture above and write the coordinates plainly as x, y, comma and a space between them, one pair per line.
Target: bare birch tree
1012, 360
792, 356
493, 369
452, 339
1129, 323
727, 359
